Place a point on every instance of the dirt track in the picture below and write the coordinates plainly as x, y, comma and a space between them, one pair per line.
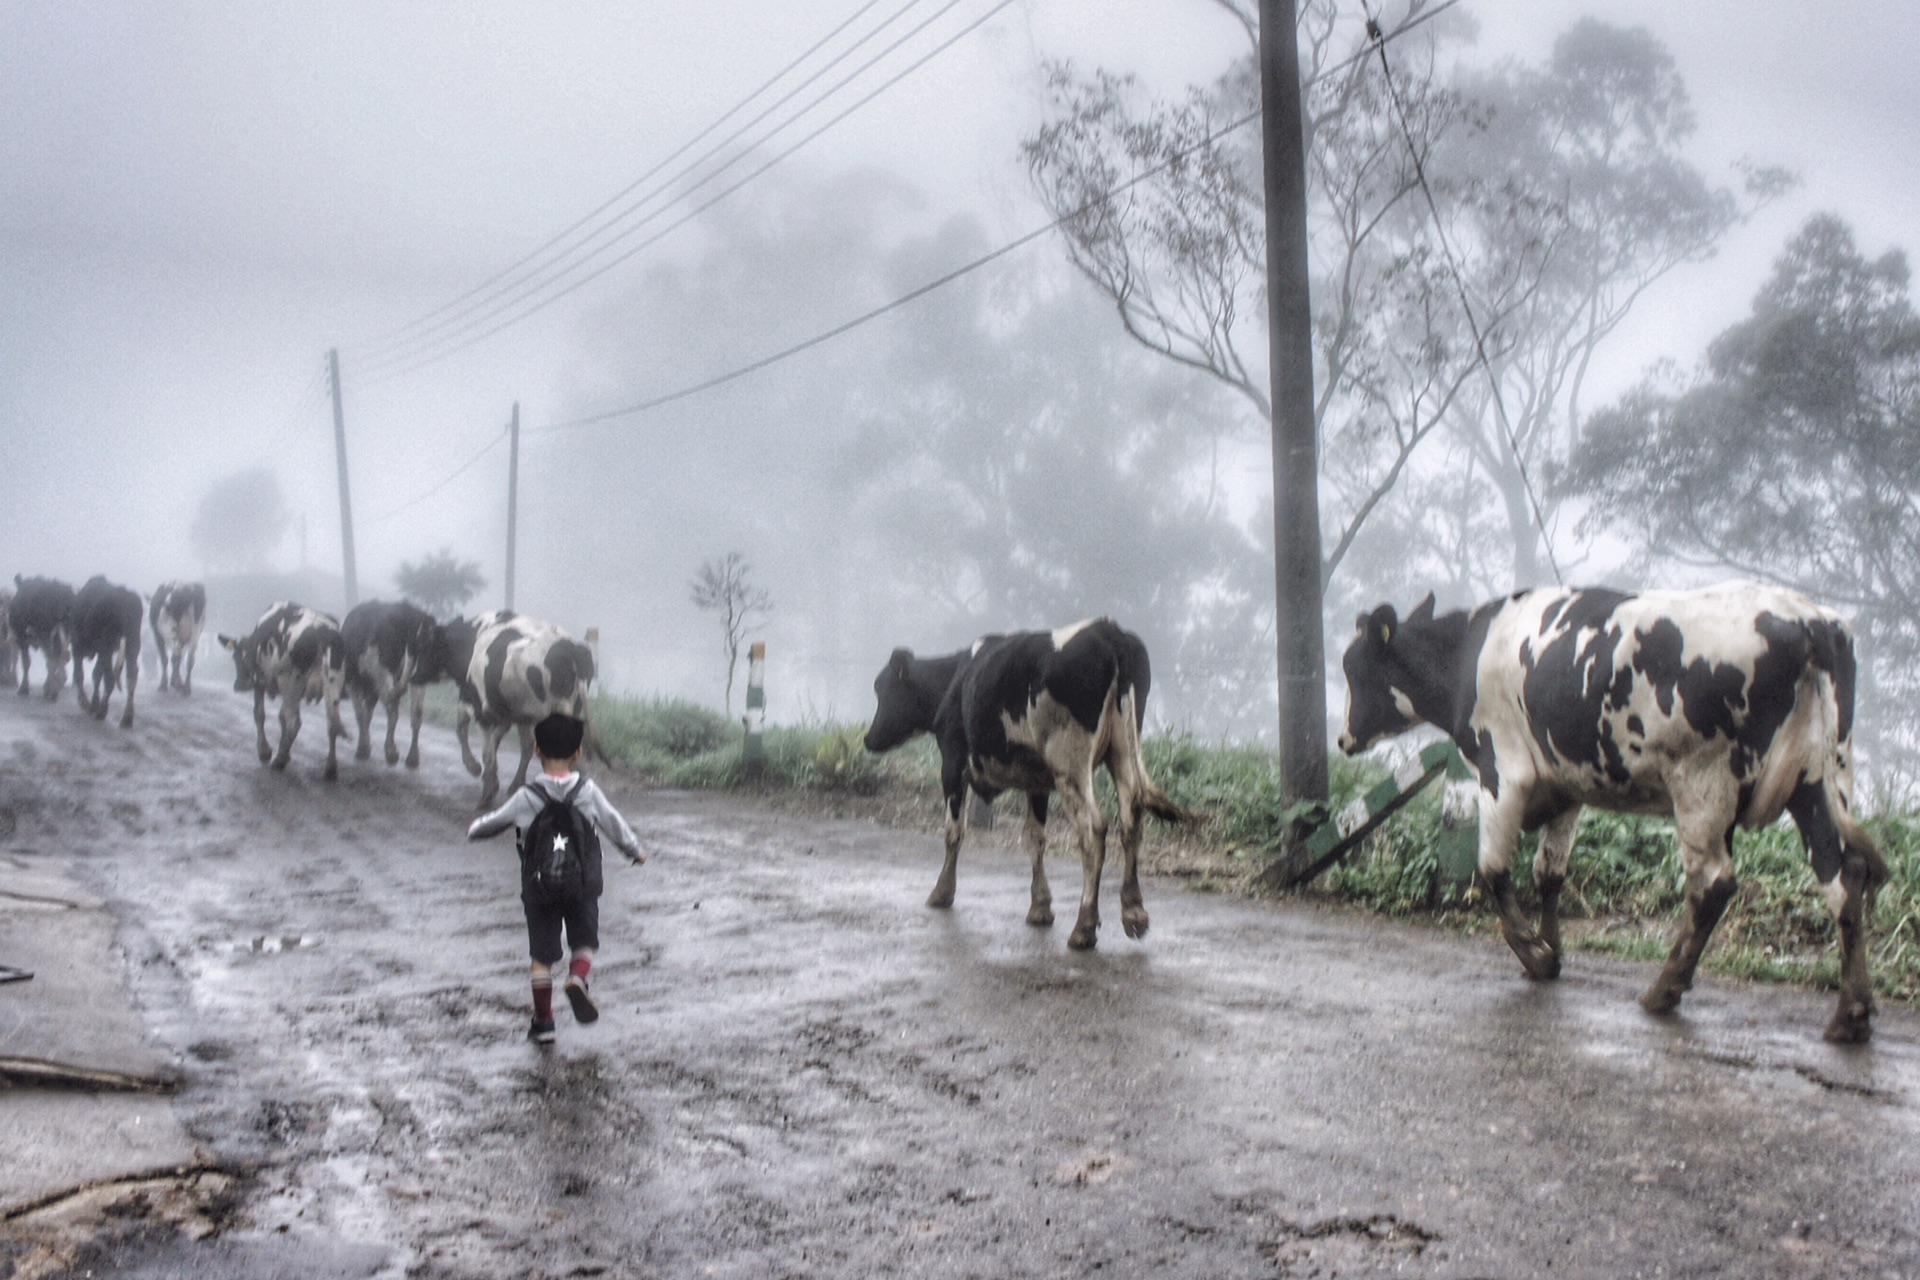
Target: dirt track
802, 1071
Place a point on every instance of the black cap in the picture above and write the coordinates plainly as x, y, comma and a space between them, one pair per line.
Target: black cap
559, 736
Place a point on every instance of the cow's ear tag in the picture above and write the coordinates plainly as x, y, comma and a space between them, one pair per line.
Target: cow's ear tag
1386, 633
227, 642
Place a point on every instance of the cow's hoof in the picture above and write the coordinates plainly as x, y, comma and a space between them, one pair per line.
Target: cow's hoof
126, 722
1040, 915
332, 773
1857, 1029
1134, 921
363, 752
393, 756
1083, 937
413, 759
1660, 1001
279, 765
1537, 958
473, 768
940, 899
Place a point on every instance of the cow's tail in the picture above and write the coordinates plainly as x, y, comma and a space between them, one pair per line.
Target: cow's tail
1126, 726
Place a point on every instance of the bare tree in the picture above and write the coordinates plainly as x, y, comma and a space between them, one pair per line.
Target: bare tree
721, 587
1561, 195
1182, 254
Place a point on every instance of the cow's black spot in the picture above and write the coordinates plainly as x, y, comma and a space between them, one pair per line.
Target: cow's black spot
1487, 761
493, 700
1572, 681
536, 684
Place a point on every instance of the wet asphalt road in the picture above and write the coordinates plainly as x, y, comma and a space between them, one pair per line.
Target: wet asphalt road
802, 1071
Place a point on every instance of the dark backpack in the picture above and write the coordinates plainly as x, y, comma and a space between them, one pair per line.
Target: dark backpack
560, 854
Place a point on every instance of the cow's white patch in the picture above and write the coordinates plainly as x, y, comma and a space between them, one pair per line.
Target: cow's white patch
1063, 634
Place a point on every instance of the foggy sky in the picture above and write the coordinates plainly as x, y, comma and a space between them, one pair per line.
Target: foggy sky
197, 200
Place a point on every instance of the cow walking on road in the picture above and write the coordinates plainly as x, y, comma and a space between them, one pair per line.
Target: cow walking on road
177, 613
106, 628
513, 672
295, 654
1036, 712
1722, 707
392, 650
40, 616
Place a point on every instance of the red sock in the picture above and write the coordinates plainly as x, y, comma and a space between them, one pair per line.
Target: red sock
580, 967
543, 1001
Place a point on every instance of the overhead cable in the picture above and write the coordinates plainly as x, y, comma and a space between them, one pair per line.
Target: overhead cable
523, 267
455, 340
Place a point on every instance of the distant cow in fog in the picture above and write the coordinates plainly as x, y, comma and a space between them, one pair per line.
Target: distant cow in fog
40, 616
295, 654
1037, 712
391, 649
178, 612
513, 672
106, 628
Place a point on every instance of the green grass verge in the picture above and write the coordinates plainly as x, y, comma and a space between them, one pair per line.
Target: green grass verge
1623, 895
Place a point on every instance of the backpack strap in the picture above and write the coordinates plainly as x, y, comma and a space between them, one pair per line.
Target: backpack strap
569, 797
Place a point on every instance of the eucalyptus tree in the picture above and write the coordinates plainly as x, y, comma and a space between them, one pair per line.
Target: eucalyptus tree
1791, 456
1470, 229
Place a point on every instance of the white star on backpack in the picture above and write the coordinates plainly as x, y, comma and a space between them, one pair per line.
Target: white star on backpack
559, 844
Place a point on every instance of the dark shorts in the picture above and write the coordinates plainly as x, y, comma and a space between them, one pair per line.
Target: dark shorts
582, 920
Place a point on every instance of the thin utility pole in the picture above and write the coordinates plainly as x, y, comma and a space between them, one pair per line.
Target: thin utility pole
513, 494
346, 499
1296, 461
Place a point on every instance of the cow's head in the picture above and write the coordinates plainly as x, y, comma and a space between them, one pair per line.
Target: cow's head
246, 662
1379, 683
902, 709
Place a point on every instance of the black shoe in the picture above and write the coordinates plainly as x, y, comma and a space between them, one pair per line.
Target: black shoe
584, 1010
541, 1032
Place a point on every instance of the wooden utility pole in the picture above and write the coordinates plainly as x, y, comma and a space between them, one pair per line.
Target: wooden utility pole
513, 495
346, 499
1296, 461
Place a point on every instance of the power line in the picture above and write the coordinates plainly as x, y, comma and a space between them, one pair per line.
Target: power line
627, 190
574, 424
977, 263
1377, 41
525, 292
523, 268
492, 444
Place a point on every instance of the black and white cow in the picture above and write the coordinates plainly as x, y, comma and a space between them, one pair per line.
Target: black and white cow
513, 672
1036, 712
392, 649
1722, 707
106, 628
40, 616
295, 654
177, 613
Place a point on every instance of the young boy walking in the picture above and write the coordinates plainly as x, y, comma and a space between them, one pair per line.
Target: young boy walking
554, 819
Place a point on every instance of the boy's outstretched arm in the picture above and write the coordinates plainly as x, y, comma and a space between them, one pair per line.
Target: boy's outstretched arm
507, 815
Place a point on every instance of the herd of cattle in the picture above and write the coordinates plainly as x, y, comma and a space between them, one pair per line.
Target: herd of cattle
1723, 707
510, 670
